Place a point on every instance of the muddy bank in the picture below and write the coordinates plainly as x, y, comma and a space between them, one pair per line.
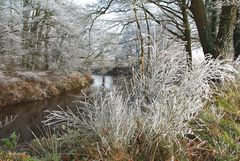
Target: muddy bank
30, 115
23, 87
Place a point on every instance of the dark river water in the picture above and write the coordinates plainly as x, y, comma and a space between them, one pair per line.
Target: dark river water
29, 115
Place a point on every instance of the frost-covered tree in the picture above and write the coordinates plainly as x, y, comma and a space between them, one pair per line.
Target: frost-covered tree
119, 18
39, 33
210, 22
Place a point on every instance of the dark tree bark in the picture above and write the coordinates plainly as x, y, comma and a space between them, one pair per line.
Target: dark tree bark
220, 46
236, 38
204, 30
225, 31
213, 16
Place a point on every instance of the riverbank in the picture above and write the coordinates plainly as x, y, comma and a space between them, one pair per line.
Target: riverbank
215, 137
24, 87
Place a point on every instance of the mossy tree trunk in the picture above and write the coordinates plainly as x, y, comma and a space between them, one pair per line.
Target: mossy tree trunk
225, 31
213, 16
236, 38
204, 30
219, 46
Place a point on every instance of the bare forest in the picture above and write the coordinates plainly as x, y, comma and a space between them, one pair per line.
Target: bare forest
119, 80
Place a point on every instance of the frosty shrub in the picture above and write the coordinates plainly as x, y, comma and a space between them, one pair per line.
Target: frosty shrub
236, 64
109, 117
31, 76
158, 107
172, 93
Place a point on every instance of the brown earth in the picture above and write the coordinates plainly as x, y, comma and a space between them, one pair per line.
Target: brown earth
23, 87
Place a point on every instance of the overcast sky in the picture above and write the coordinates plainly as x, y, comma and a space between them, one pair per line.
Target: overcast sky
83, 2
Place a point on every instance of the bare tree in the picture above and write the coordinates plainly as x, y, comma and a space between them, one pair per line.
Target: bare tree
41, 32
219, 46
214, 20
236, 36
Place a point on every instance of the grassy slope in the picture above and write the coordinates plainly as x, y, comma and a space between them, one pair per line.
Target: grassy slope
218, 129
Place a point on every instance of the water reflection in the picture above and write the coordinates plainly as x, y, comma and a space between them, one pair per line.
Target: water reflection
102, 80
30, 115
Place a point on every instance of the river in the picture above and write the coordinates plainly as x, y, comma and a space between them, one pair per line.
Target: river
29, 115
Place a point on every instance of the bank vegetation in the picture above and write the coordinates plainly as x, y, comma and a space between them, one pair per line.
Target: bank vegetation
25, 87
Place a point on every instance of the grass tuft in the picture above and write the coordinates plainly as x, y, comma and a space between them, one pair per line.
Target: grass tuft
149, 120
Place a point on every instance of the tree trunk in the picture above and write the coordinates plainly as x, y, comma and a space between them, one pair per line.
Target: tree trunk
187, 31
140, 37
148, 32
46, 43
236, 38
204, 30
2, 50
213, 16
225, 31
25, 32
34, 33
220, 46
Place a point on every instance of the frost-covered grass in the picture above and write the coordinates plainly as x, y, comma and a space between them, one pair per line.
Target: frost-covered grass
24, 87
5, 80
148, 120
218, 128
31, 76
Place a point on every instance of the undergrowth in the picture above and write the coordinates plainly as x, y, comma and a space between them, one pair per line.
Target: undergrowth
169, 112
218, 127
214, 137
149, 120
24, 87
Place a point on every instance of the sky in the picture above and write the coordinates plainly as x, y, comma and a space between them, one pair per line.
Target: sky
83, 2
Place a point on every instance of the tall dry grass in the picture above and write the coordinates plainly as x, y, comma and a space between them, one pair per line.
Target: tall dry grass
26, 87
146, 121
